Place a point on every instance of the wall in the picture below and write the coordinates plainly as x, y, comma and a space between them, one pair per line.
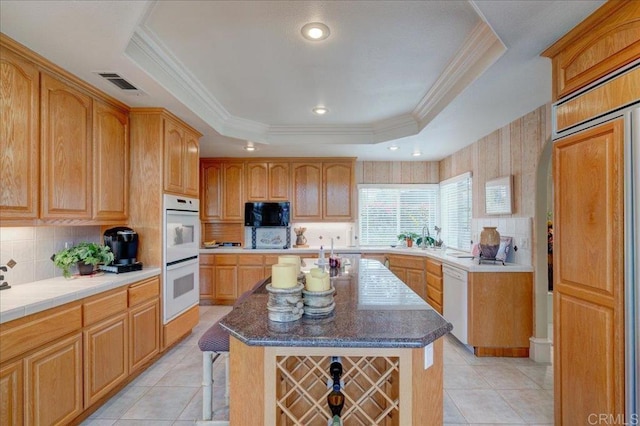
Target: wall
397, 172
32, 247
511, 150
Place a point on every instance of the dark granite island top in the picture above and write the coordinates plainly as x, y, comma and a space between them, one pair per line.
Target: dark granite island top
374, 309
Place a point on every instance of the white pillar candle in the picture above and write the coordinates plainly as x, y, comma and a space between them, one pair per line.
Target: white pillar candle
317, 272
290, 259
317, 282
284, 275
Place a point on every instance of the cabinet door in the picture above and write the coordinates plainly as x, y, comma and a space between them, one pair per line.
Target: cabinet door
337, 187
105, 357
307, 191
53, 380
144, 333
66, 151
207, 277
11, 394
210, 190
191, 163
173, 157
279, 181
417, 283
401, 273
233, 193
19, 157
225, 287
110, 163
248, 276
257, 181
589, 301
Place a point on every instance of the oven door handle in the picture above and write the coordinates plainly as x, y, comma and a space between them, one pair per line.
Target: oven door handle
191, 259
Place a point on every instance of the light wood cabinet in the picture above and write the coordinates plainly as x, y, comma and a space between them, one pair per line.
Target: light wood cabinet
604, 42
105, 356
233, 192
306, 180
210, 191
337, 186
66, 114
181, 158
207, 277
267, 181
410, 270
110, 162
434, 284
225, 277
53, 382
144, 333
11, 394
250, 270
19, 137
589, 301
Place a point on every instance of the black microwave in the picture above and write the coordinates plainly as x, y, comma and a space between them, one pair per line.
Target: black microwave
266, 214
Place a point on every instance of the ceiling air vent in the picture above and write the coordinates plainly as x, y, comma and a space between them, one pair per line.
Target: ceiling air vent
117, 80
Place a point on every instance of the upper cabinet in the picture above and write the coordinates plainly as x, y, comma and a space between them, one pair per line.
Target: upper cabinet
337, 188
181, 156
64, 146
110, 162
604, 42
306, 182
66, 151
19, 157
267, 181
222, 194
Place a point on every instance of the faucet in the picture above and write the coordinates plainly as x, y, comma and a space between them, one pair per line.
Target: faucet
424, 237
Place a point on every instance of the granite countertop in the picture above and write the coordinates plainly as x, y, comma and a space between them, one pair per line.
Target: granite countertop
374, 309
29, 298
447, 256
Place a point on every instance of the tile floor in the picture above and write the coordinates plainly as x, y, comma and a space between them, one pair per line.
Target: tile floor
477, 390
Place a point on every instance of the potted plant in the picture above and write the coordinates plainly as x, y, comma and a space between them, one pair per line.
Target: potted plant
409, 237
86, 255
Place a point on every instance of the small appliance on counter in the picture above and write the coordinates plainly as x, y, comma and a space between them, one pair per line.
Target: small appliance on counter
123, 242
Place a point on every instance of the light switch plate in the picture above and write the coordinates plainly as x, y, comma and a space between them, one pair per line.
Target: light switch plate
428, 356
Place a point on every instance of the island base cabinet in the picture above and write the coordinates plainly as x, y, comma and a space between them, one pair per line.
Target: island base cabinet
11, 394
288, 385
53, 380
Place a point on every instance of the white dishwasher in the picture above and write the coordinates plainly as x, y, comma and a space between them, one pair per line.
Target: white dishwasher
455, 300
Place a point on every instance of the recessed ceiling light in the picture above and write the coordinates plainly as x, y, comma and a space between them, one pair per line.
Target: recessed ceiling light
320, 110
249, 148
315, 31
393, 148
416, 153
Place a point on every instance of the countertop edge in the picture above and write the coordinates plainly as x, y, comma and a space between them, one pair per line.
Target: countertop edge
55, 294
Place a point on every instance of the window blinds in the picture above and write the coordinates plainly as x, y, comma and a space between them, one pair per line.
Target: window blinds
455, 211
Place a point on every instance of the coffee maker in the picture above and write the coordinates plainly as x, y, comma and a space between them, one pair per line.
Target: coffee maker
123, 242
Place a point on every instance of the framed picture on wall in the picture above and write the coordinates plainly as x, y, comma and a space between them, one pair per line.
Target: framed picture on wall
498, 195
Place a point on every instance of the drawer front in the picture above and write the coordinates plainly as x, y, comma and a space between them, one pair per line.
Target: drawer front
270, 259
413, 262
434, 267
226, 259
250, 259
144, 290
435, 305
435, 282
435, 295
101, 307
43, 328
207, 259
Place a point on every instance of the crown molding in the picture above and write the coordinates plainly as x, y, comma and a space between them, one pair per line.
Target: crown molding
480, 50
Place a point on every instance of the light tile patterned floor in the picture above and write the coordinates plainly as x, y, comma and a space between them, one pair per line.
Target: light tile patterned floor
512, 391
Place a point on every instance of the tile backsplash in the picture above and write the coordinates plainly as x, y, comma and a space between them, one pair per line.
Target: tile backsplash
31, 248
520, 228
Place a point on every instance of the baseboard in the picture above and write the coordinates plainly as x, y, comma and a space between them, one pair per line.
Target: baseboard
540, 349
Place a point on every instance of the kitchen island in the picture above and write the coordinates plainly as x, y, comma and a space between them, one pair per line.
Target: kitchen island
389, 341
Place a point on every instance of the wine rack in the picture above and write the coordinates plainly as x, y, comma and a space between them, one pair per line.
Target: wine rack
371, 390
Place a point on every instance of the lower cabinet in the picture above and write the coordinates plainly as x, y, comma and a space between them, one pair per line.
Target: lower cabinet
434, 284
58, 363
144, 334
53, 380
224, 277
11, 394
410, 270
105, 356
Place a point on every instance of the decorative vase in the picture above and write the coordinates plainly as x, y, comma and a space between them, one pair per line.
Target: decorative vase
84, 268
489, 242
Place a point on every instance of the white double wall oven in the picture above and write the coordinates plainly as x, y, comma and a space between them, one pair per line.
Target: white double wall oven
181, 236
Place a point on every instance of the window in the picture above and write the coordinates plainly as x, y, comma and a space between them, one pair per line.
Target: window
455, 211
387, 210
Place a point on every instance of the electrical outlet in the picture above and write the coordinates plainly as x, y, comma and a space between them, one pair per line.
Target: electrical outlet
428, 356
525, 244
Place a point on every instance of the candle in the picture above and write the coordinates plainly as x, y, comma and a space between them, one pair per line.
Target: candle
321, 256
317, 272
284, 275
290, 259
318, 282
